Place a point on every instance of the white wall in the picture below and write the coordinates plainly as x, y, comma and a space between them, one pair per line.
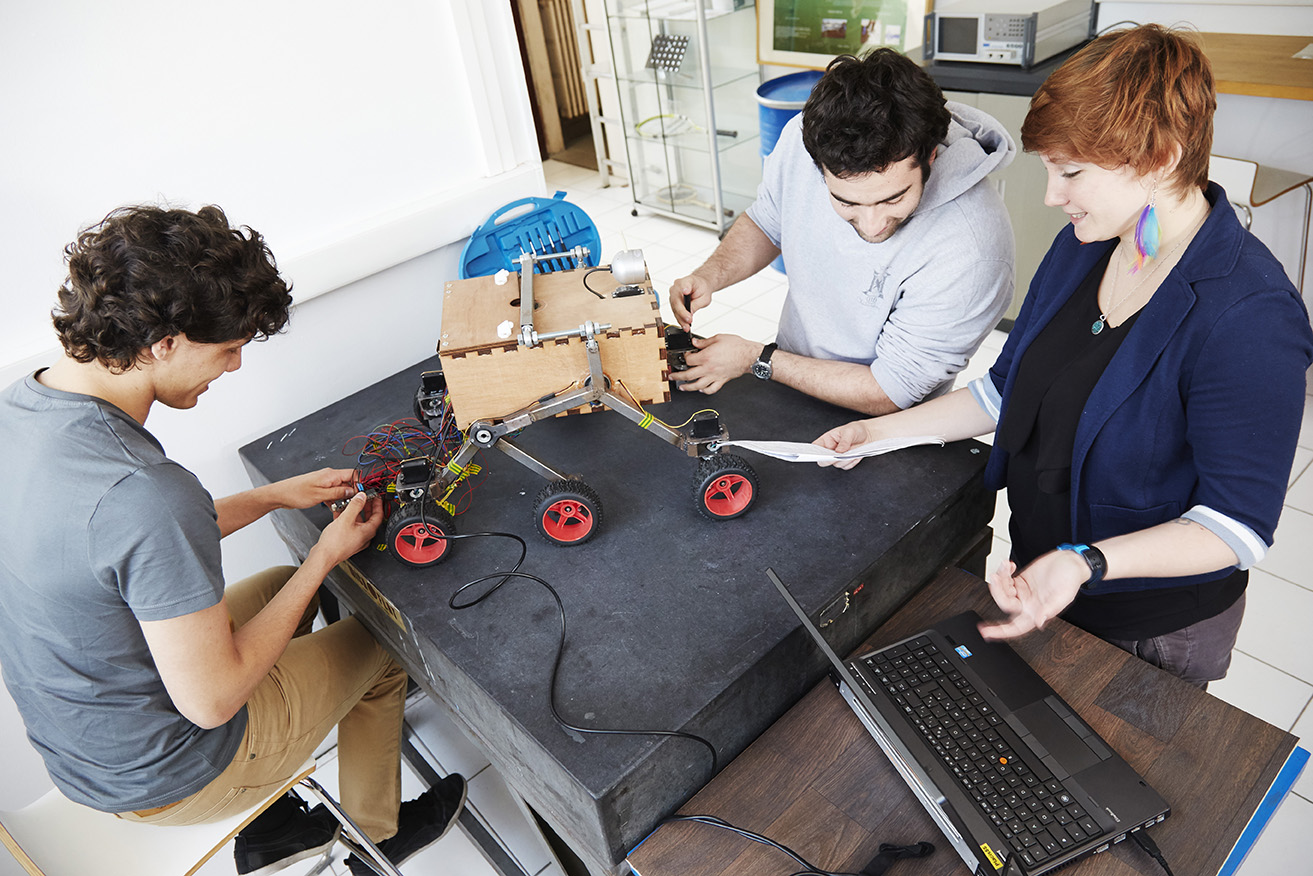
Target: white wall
366, 141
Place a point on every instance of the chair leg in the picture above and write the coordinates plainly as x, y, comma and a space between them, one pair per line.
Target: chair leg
366, 846
1303, 247
324, 863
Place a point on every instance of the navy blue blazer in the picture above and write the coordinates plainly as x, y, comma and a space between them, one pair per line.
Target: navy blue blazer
1199, 411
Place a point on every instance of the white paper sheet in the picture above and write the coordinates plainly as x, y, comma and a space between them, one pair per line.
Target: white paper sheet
797, 451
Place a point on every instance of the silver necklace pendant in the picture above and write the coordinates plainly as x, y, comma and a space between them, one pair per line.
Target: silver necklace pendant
1097, 326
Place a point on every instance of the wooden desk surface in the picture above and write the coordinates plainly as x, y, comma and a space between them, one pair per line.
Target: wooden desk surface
1256, 64
818, 783
1260, 64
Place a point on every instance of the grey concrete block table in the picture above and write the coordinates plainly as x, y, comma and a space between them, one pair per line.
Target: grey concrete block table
671, 621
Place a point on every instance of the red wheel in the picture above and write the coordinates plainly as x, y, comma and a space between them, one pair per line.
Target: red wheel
567, 512
418, 536
724, 487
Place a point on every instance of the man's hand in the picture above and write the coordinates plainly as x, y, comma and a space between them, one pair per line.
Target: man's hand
1033, 597
303, 491
717, 361
699, 292
352, 529
316, 488
843, 438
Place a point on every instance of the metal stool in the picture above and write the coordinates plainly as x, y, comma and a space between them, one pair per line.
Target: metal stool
53, 836
1249, 184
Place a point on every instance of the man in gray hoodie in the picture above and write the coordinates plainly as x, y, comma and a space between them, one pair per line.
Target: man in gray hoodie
899, 253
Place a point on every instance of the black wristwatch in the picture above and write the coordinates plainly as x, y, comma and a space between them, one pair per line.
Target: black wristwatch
1093, 557
762, 367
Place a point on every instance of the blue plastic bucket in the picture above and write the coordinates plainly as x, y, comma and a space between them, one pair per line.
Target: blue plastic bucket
779, 100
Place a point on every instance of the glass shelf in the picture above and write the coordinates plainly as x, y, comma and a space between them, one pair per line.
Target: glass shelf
694, 203
663, 10
720, 77
697, 141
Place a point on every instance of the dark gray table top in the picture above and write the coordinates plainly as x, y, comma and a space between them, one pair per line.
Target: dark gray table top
672, 623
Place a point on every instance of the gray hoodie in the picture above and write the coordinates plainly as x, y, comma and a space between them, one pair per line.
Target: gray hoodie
916, 306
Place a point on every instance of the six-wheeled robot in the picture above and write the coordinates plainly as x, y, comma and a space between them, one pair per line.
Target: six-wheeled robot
522, 346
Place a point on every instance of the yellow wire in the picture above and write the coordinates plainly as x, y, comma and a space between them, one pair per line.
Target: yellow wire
695, 413
638, 404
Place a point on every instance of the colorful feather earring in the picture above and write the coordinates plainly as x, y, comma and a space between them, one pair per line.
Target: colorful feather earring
1147, 232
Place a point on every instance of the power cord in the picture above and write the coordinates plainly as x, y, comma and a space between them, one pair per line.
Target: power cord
454, 604
1143, 840
879, 864
588, 273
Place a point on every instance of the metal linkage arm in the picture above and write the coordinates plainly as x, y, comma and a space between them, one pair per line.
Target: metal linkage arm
528, 337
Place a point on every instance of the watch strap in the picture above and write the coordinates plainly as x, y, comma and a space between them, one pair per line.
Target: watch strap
762, 367
1093, 558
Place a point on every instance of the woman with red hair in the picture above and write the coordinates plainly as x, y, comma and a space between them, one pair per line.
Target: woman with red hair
1148, 400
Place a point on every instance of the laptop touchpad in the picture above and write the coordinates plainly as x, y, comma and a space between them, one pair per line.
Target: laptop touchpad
1053, 732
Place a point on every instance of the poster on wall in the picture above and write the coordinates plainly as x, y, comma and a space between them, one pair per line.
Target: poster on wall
808, 33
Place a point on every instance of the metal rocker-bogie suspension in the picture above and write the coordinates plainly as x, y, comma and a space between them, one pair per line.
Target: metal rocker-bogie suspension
567, 511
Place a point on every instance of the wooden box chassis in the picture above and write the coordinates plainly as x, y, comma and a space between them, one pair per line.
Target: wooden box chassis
489, 377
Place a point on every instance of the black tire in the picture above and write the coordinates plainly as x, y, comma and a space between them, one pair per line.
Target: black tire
417, 534
724, 487
567, 512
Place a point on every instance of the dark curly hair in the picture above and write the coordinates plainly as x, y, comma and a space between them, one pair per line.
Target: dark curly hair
868, 113
144, 273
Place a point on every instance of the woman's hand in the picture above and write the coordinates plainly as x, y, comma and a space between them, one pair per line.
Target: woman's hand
1035, 595
844, 438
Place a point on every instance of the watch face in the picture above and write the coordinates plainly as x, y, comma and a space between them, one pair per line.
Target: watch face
761, 370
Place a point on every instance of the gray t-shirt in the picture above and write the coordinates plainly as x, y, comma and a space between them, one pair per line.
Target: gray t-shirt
98, 532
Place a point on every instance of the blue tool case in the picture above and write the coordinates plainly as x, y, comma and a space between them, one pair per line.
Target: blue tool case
537, 225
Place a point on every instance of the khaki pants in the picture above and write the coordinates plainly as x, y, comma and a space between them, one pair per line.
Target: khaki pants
339, 676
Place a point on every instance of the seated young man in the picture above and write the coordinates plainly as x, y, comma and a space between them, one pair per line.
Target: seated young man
149, 690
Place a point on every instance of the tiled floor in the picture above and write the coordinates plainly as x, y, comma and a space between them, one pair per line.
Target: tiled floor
1271, 676
1272, 672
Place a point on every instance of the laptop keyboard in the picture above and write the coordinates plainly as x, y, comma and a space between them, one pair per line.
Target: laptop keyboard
1031, 808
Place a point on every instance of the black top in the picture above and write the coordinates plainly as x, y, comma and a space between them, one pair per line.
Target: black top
1056, 375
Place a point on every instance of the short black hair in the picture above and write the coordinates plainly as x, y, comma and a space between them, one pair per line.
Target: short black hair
144, 273
866, 114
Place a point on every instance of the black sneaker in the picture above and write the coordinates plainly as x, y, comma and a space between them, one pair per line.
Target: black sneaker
283, 834
422, 822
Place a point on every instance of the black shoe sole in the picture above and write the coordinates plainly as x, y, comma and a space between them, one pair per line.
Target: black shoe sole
297, 856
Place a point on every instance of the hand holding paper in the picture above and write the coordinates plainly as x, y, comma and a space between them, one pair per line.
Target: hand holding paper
798, 451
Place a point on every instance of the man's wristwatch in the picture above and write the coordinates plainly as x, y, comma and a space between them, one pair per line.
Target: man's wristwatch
1093, 557
762, 367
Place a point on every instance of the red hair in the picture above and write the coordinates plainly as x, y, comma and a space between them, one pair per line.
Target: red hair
1130, 97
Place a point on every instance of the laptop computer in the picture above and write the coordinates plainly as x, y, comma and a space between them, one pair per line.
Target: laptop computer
1017, 782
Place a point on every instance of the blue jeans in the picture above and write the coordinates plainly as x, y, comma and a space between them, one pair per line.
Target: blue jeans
1199, 653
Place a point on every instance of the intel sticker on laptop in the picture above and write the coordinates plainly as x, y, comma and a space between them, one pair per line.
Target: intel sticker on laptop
963, 651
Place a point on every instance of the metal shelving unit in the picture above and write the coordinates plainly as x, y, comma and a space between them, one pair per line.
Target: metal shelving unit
686, 77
